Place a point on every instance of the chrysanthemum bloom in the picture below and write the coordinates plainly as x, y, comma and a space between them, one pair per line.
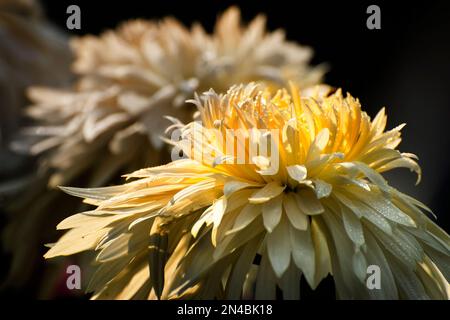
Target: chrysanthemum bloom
32, 53
193, 227
110, 122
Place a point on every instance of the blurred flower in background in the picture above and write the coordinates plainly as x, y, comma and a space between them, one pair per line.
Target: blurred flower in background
194, 227
32, 52
111, 119
132, 77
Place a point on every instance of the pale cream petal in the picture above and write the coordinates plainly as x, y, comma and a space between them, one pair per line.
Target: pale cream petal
352, 226
246, 216
269, 191
322, 188
114, 249
296, 216
321, 251
319, 143
385, 207
359, 263
233, 186
241, 269
408, 283
74, 241
271, 212
303, 253
297, 172
376, 256
308, 202
217, 214
403, 162
279, 247
290, 283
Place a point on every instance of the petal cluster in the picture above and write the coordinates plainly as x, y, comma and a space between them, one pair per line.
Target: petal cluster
214, 225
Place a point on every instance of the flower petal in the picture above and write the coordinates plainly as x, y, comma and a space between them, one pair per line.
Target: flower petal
303, 252
297, 172
296, 216
279, 248
272, 212
308, 202
269, 191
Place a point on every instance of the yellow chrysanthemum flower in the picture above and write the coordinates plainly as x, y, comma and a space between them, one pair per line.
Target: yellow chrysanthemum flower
110, 121
193, 227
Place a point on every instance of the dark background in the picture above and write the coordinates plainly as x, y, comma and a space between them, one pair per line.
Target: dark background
405, 66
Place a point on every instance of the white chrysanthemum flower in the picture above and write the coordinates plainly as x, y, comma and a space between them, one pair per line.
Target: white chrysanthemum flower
32, 53
193, 227
132, 77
